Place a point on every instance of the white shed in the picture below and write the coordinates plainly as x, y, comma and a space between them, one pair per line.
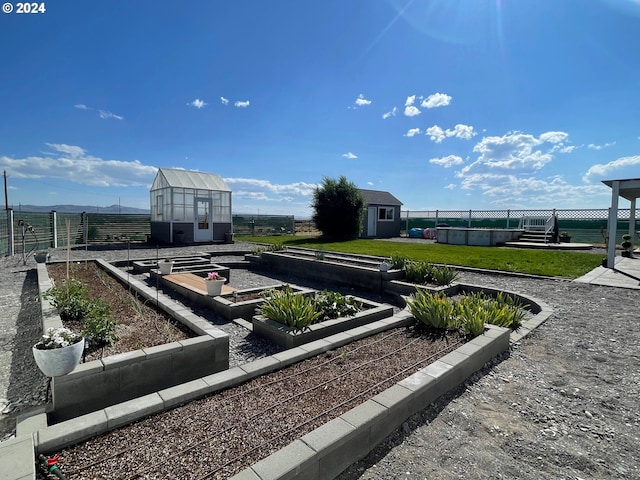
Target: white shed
190, 207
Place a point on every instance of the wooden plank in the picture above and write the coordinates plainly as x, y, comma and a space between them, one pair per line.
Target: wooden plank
195, 283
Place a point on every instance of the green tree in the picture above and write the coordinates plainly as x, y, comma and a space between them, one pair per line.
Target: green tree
339, 208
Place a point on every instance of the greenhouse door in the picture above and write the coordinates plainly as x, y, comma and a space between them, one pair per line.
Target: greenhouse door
372, 221
203, 229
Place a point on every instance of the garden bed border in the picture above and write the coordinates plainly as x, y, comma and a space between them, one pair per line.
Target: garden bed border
125, 376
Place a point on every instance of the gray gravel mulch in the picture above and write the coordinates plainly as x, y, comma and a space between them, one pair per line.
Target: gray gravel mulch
563, 404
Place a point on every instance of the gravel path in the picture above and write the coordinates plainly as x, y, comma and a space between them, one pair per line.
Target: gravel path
562, 405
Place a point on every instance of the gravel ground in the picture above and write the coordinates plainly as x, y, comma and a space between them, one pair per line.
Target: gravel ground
563, 404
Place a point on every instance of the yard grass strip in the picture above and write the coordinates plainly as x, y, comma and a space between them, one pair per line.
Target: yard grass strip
552, 263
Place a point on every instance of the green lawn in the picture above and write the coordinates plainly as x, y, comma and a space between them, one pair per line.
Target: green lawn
553, 263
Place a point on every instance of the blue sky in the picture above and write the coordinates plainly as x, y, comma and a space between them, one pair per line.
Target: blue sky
447, 104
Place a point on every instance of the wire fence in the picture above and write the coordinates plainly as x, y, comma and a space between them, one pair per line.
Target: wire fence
25, 232
583, 225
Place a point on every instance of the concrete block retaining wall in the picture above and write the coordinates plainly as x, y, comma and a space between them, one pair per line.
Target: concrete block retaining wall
117, 378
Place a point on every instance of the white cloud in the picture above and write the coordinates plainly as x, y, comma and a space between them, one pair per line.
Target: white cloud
436, 100
461, 131
265, 187
448, 161
106, 114
600, 147
224, 101
451, 186
410, 100
625, 167
361, 101
69, 162
71, 150
554, 137
507, 167
411, 111
197, 103
412, 132
435, 133
391, 113
243, 104
349, 155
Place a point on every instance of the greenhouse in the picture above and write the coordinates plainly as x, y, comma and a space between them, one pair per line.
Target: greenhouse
190, 207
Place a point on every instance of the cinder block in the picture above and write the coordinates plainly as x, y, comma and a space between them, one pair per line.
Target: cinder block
123, 359
132, 410
228, 378
184, 393
366, 417
67, 433
398, 401
335, 446
17, 459
31, 422
261, 366
423, 387
316, 347
295, 461
246, 474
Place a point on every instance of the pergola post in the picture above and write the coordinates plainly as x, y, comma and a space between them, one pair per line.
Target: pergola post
613, 224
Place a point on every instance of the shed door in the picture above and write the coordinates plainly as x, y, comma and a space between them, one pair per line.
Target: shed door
372, 221
203, 229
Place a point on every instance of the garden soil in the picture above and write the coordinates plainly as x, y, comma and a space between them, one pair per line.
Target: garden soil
562, 404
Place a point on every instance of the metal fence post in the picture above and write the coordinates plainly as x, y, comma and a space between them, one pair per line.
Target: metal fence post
11, 248
53, 228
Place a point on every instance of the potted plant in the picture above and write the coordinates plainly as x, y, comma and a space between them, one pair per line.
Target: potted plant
564, 237
58, 351
627, 246
166, 266
214, 283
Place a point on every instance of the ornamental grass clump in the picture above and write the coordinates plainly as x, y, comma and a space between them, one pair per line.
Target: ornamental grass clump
424, 272
470, 313
300, 311
283, 306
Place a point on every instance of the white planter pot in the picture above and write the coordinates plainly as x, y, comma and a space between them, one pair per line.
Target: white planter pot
58, 361
214, 287
165, 267
384, 267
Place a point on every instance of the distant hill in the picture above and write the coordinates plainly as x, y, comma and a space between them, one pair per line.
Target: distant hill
80, 209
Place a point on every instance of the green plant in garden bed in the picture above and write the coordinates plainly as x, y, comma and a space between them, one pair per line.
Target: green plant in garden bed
470, 312
423, 272
72, 302
300, 311
553, 263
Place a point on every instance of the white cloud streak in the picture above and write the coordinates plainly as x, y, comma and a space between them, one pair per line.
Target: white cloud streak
72, 163
391, 113
448, 161
224, 101
349, 155
197, 103
412, 132
242, 104
625, 167
104, 114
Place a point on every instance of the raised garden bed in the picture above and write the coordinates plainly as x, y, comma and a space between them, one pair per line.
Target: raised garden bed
331, 270
243, 303
288, 337
130, 374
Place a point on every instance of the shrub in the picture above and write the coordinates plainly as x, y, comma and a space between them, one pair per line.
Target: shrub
338, 207
69, 299
335, 305
98, 325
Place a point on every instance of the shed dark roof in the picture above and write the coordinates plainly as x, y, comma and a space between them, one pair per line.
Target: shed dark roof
378, 197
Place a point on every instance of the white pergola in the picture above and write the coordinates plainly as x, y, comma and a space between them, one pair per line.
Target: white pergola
629, 189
